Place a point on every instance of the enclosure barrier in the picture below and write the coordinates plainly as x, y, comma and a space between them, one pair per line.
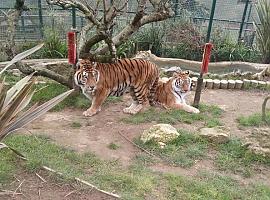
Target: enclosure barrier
232, 84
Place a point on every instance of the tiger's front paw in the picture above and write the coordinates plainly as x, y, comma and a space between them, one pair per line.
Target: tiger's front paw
194, 110
90, 112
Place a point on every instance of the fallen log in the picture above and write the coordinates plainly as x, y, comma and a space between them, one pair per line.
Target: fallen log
214, 67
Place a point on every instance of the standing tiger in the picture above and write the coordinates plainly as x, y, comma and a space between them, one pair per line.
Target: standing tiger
171, 93
100, 80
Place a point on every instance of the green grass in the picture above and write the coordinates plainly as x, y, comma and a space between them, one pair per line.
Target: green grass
47, 91
182, 151
109, 175
209, 115
254, 120
113, 146
10, 78
212, 186
234, 157
188, 148
136, 182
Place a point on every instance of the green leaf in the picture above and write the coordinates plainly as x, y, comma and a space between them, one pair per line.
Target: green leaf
12, 110
30, 116
13, 91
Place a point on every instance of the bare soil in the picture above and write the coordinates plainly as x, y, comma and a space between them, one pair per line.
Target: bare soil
97, 132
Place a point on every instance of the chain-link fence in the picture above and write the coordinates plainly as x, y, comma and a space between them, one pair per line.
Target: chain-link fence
235, 17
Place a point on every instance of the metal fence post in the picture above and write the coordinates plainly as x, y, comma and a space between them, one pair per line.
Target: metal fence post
200, 78
243, 21
73, 17
211, 20
40, 18
176, 6
23, 26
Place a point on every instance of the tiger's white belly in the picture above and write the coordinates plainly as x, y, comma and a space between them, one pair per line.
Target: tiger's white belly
179, 97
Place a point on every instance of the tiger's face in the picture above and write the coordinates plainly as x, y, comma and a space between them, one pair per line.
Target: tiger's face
182, 82
86, 76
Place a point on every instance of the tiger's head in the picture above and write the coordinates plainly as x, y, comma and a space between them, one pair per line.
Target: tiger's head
86, 75
181, 82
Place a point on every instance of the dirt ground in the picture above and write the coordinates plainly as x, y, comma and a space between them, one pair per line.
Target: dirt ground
97, 132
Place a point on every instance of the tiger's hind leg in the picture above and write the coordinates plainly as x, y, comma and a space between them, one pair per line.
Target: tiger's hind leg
137, 101
152, 92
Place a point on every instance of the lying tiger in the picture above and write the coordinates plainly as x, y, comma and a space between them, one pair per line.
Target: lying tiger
171, 92
100, 80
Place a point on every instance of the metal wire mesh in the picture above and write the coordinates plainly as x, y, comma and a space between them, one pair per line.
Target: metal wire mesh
228, 18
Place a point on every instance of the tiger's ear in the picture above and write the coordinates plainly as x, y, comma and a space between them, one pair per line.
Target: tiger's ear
187, 72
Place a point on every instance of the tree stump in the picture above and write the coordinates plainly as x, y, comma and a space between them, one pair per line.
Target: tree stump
209, 83
238, 84
223, 84
216, 84
231, 84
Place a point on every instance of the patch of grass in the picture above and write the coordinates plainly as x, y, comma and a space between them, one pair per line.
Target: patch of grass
254, 120
182, 151
144, 160
209, 115
133, 183
233, 156
212, 186
113, 146
52, 89
7, 169
10, 78
76, 125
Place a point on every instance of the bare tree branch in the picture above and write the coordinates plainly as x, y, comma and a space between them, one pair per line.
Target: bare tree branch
80, 6
42, 71
104, 25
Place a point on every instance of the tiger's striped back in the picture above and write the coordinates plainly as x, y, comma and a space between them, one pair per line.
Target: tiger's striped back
140, 76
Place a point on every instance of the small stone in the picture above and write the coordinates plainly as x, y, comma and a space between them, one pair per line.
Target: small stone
215, 135
160, 133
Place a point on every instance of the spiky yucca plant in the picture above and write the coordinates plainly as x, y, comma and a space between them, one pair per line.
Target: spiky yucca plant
263, 29
13, 102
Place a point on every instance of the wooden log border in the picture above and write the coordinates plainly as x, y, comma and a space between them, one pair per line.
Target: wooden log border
244, 84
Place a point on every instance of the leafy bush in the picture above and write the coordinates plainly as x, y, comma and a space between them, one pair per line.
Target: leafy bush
54, 47
184, 41
126, 49
151, 37
263, 37
225, 49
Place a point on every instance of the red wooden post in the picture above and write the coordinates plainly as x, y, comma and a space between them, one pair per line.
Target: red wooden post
204, 69
72, 54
